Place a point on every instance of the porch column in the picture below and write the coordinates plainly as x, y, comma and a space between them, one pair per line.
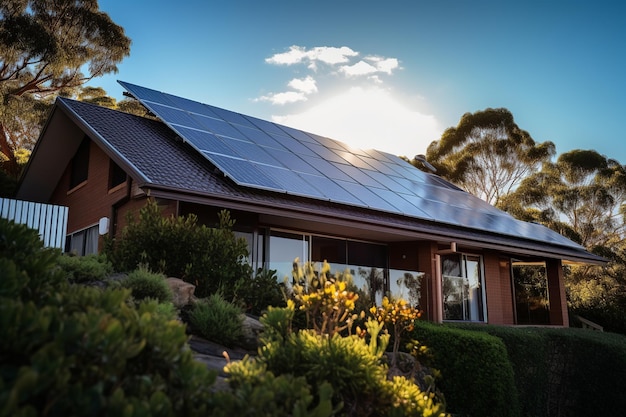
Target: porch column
556, 290
431, 295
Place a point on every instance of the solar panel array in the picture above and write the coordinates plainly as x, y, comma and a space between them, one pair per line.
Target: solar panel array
264, 155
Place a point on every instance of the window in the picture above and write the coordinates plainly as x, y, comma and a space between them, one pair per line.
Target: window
284, 248
532, 302
462, 287
368, 265
366, 262
80, 164
84, 242
117, 175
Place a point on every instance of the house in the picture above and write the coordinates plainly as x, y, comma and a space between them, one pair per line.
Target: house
295, 194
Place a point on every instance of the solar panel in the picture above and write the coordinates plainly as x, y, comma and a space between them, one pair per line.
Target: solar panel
264, 155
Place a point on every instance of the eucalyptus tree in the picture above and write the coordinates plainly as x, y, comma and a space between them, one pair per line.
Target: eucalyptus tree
581, 195
487, 154
49, 47
98, 96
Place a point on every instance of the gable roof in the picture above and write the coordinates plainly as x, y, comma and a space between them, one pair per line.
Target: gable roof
160, 161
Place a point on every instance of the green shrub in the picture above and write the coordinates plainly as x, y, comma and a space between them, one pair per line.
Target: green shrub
77, 350
527, 352
147, 285
565, 372
85, 269
352, 366
260, 393
259, 292
477, 375
167, 310
209, 258
217, 320
34, 276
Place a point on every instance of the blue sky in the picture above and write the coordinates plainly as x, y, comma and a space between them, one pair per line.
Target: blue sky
389, 75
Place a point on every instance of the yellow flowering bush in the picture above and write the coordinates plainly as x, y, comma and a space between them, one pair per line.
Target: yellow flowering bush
324, 298
398, 314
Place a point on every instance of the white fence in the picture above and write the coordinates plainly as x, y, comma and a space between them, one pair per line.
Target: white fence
49, 220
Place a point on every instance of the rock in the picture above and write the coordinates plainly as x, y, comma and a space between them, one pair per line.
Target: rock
252, 328
182, 292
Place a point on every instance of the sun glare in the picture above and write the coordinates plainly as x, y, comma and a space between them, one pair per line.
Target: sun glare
368, 118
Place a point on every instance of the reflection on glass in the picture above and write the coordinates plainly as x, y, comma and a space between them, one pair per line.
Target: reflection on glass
406, 285
532, 302
284, 249
462, 288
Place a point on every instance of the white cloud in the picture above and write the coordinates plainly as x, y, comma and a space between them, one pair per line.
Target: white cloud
294, 55
386, 65
329, 55
360, 68
304, 85
368, 118
284, 98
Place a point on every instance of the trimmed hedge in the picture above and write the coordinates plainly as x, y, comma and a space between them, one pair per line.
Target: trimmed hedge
557, 372
564, 372
477, 376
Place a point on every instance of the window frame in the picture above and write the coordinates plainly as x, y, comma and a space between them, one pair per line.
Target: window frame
86, 243
481, 308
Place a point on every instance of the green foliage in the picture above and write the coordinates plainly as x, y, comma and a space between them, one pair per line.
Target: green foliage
148, 285
527, 351
77, 350
351, 365
217, 320
34, 277
477, 375
260, 393
212, 259
260, 291
85, 269
167, 310
558, 370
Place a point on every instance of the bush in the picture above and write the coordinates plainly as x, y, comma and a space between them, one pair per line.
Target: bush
217, 320
477, 375
209, 258
259, 292
85, 269
352, 366
76, 350
564, 372
148, 285
260, 393
527, 352
585, 371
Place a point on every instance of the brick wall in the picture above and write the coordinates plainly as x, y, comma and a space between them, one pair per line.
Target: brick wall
92, 199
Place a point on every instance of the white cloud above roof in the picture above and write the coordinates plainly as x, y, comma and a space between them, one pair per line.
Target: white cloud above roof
360, 68
327, 54
284, 98
304, 85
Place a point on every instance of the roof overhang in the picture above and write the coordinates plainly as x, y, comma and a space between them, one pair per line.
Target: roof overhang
334, 220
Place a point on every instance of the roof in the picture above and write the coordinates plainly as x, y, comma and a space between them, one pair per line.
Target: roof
160, 161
